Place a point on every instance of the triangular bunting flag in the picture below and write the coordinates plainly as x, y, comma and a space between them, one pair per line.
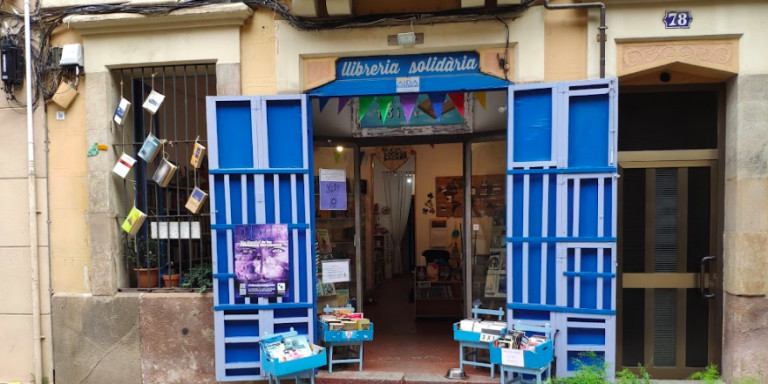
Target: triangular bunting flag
480, 96
385, 104
426, 107
323, 102
408, 101
365, 103
437, 99
343, 100
458, 100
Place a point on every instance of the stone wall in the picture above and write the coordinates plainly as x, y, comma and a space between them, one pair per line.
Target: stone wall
745, 247
134, 338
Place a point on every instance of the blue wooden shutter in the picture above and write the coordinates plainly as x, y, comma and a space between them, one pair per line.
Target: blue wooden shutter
259, 152
561, 214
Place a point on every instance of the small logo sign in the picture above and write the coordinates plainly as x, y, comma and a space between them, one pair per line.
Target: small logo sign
407, 84
677, 19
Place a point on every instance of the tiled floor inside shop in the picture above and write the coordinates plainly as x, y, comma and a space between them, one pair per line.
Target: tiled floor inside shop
416, 350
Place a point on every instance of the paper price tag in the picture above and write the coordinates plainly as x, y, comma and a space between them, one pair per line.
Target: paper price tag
487, 337
512, 357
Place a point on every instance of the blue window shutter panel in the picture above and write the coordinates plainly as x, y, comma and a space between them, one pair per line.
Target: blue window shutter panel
561, 213
260, 160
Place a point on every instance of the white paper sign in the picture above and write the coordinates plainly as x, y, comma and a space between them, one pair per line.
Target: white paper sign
512, 357
407, 84
335, 271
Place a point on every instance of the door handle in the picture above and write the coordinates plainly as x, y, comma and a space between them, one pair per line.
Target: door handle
706, 293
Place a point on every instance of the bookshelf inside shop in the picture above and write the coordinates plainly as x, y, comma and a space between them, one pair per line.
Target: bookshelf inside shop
438, 290
335, 236
382, 253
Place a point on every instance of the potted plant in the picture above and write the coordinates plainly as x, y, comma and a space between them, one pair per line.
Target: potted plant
171, 279
199, 276
143, 254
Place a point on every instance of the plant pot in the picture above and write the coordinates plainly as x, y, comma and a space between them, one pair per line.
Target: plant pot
170, 281
147, 277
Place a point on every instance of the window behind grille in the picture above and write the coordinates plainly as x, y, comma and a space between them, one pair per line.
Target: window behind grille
172, 237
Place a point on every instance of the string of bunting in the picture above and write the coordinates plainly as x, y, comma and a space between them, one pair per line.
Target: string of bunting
434, 104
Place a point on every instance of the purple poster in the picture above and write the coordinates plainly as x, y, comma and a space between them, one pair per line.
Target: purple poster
333, 190
261, 259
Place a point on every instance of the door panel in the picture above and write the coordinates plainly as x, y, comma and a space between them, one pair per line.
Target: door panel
258, 153
668, 225
561, 214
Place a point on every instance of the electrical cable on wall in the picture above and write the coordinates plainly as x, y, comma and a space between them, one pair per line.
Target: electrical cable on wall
48, 75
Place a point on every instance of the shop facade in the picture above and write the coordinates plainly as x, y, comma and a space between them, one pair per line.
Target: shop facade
704, 184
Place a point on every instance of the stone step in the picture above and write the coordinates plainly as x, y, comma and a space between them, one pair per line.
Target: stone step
364, 377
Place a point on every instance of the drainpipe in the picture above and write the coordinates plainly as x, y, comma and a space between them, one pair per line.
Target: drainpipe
601, 28
34, 257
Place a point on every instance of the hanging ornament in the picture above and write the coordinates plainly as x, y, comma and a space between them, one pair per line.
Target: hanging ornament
408, 101
365, 103
426, 107
448, 106
385, 104
437, 99
458, 100
480, 96
323, 101
343, 101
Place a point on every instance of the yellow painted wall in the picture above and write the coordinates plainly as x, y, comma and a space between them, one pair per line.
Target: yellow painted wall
258, 54
565, 56
70, 255
431, 162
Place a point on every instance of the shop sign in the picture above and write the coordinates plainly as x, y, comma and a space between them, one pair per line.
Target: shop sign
407, 85
261, 260
437, 64
677, 19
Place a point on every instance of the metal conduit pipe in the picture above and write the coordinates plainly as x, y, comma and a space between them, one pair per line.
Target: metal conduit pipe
33, 241
601, 28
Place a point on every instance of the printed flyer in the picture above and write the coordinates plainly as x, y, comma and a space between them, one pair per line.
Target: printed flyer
261, 260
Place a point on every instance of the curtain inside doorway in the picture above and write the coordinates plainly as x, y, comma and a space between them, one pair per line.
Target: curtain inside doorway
398, 191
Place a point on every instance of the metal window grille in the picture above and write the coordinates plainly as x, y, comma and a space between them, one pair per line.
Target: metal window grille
173, 239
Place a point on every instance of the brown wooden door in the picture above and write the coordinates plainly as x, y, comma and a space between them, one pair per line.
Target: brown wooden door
668, 308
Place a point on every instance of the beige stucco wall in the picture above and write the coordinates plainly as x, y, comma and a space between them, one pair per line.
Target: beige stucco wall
266, 57
743, 19
526, 35
16, 333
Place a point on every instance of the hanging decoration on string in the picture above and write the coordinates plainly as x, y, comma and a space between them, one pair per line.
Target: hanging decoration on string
343, 101
426, 107
458, 101
365, 103
393, 158
480, 96
408, 101
323, 101
437, 99
385, 104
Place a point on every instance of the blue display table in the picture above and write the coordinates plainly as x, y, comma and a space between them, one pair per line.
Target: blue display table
292, 369
516, 363
473, 340
350, 341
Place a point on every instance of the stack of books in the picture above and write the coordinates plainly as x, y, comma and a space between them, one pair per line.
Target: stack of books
345, 319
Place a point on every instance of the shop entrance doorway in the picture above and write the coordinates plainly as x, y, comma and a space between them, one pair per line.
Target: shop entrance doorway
670, 233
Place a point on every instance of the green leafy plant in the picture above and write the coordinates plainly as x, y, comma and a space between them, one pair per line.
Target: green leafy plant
590, 369
710, 375
142, 252
627, 376
200, 276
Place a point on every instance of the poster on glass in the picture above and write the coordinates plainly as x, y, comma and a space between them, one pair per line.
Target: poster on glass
262, 266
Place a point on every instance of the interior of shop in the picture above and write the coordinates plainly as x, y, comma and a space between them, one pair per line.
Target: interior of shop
415, 266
